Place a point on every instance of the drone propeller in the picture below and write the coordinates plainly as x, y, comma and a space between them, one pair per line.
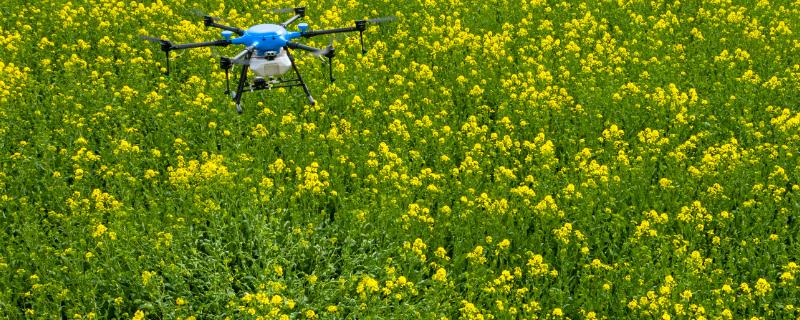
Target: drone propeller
225, 63
166, 46
240, 61
361, 26
328, 52
280, 10
151, 39
229, 60
199, 13
381, 20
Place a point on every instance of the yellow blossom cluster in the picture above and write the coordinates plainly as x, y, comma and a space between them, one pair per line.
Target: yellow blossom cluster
482, 160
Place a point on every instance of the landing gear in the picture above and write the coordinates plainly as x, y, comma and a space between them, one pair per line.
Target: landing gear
237, 97
259, 83
300, 78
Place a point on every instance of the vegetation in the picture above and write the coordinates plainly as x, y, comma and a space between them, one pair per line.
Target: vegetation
483, 160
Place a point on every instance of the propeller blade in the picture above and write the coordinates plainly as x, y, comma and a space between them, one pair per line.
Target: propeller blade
166, 45
151, 39
322, 52
280, 10
328, 51
199, 13
381, 20
242, 62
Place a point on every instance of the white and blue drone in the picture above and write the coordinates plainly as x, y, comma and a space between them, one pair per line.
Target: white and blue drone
267, 52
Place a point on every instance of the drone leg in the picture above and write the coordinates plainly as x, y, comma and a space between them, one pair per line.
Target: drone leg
330, 69
227, 81
300, 78
167, 52
240, 89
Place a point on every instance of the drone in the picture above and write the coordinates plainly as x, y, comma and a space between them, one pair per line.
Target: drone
267, 52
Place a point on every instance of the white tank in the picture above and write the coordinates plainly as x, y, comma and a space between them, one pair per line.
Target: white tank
268, 68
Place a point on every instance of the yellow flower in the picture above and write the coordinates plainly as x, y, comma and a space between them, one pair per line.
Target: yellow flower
150, 173
762, 287
563, 233
139, 315
312, 279
259, 131
441, 275
504, 244
744, 287
441, 253
686, 295
402, 281
99, 230
367, 285
476, 256
310, 314
146, 276
476, 91
537, 266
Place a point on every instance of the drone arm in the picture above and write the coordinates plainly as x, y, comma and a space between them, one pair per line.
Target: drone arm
244, 52
299, 12
216, 43
291, 20
209, 22
295, 45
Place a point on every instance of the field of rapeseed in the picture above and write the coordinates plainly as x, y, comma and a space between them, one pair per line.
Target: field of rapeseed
496, 159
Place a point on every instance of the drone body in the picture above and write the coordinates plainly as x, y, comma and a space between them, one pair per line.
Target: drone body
264, 37
267, 53
269, 59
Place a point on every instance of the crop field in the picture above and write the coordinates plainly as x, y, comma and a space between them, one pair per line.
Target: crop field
493, 159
